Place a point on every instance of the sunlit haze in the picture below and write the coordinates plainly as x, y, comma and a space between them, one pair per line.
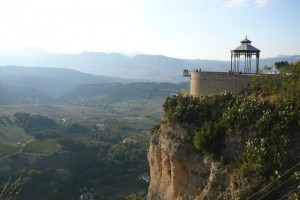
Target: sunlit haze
196, 29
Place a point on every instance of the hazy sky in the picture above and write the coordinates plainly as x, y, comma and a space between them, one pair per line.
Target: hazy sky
204, 29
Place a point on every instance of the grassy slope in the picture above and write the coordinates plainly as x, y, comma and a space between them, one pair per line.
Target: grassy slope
42, 146
6, 149
9, 132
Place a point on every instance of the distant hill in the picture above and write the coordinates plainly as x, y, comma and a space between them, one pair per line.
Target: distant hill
111, 93
51, 81
271, 61
18, 95
49, 85
142, 67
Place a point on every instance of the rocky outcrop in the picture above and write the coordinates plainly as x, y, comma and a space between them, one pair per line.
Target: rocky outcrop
178, 171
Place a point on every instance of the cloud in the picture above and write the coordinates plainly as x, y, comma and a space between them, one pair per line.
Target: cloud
237, 3
240, 3
261, 3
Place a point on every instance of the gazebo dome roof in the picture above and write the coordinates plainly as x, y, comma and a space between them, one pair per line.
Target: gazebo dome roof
246, 47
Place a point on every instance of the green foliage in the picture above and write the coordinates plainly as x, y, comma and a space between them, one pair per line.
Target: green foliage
280, 65
210, 138
183, 108
34, 123
263, 155
125, 155
267, 84
268, 124
286, 84
79, 153
76, 128
267, 68
291, 84
244, 112
193, 110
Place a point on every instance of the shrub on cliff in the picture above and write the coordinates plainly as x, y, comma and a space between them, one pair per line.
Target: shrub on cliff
286, 84
265, 126
182, 108
210, 138
194, 110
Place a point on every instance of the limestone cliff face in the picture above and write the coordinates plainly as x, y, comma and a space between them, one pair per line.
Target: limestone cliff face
179, 172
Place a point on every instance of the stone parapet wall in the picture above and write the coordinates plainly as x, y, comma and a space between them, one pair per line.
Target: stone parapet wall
203, 83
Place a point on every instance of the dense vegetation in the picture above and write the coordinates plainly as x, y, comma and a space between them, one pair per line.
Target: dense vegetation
65, 160
34, 124
266, 121
75, 145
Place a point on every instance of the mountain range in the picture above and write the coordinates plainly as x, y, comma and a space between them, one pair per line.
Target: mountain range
141, 66
51, 81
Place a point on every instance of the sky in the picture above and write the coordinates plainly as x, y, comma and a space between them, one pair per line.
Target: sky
191, 29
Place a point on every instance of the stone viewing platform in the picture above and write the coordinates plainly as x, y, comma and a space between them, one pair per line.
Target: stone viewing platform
234, 81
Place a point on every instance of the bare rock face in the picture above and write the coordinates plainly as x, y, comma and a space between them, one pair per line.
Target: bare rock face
178, 171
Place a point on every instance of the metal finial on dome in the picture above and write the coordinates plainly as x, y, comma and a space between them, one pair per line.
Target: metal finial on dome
246, 40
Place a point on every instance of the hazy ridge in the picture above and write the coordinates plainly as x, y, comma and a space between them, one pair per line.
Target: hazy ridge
55, 80
148, 67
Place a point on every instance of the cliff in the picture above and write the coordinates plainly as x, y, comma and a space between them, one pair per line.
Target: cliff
253, 151
179, 171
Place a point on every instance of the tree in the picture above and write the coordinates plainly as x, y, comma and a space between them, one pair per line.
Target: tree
210, 138
76, 128
267, 68
291, 84
281, 65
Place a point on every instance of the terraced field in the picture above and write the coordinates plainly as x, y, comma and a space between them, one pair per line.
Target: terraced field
42, 147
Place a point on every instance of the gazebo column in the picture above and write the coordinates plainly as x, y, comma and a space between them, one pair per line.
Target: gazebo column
249, 62
245, 68
231, 63
239, 62
235, 62
257, 62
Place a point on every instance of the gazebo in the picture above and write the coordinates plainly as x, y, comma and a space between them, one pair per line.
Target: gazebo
246, 50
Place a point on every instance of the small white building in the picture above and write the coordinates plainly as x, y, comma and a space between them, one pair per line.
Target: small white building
87, 196
129, 140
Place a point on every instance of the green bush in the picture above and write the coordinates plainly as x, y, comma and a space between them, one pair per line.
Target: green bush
194, 110
210, 138
267, 84
182, 108
77, 128
33, 124
244, 112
